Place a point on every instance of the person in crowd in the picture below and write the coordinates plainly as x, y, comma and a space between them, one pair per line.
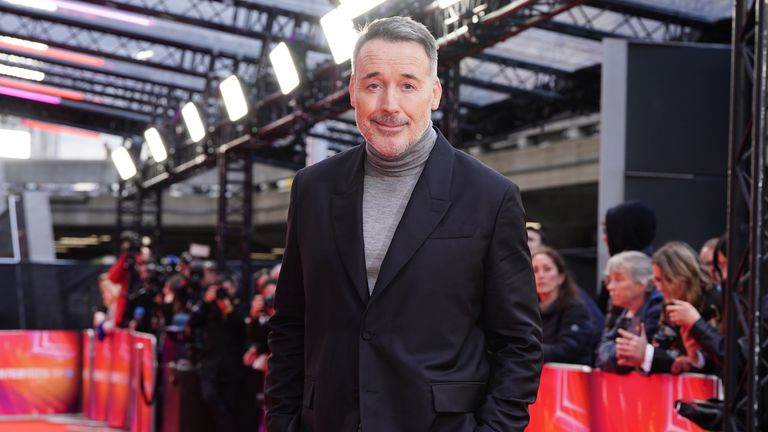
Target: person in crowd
220, 326
130, 272
715, 263
104, 318
679, 276
566, 321
407, 300
629, 226
255, 358
536, 237
628, 277
536, 240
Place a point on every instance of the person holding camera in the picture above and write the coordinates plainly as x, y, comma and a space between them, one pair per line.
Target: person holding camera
219, 324
129, 271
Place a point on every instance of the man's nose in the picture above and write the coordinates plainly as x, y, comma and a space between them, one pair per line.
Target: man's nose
389, 101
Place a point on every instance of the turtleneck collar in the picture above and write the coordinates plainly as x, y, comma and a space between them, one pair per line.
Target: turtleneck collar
407, 163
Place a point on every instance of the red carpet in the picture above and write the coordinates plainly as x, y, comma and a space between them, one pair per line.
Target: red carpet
59, 423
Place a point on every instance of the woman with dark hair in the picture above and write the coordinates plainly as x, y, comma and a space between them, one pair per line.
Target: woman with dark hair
566, 321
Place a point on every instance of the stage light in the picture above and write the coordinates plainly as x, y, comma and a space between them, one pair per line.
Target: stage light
123, 162
21, 43
46, 5
340, 33
29, 95
144, 55
155, 143
193, 121
22, 73
446, 3
355, 8
16, 144
284, 68
103, 12
234, 99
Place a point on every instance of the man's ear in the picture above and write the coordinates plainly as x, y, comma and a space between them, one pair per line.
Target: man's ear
352, 90
437, 93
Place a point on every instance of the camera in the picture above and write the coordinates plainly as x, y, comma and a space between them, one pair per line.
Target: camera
130, 241
269, 302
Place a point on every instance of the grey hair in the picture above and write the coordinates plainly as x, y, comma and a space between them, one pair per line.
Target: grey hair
398, 29
634, 264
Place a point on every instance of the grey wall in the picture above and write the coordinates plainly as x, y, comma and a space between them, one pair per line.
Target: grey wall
664, 138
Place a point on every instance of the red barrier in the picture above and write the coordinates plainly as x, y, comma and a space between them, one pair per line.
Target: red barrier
571, 398
143, 375
101, 375
87, 376
563, 400
112, 376
637, 402
120, 379
39, 372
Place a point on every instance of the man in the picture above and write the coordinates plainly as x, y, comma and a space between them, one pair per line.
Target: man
535, 236
406, 300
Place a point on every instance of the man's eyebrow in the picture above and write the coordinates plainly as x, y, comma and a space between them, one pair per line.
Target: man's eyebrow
371, 75
411, 76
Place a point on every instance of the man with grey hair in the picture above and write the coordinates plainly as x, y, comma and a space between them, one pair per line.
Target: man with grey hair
407, 300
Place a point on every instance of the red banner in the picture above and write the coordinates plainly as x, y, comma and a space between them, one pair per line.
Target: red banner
571, 398
39, 372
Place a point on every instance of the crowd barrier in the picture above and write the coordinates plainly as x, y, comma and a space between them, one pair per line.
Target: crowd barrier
118, 377
577, 399
39, 372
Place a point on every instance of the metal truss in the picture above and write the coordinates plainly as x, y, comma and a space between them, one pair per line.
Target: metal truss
141, 211
746, 355
618, 19
235, 213
244, 18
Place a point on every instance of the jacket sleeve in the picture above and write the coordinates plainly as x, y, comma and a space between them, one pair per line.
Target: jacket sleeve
285, 376
606, 354
574, 336
512, 323
710, 341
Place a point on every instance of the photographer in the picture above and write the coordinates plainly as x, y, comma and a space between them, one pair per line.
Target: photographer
128, 271
218, 326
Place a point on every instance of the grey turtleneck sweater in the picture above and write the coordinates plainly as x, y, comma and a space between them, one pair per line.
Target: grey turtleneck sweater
387, 187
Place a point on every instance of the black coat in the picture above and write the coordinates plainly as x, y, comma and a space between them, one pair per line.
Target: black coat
451, 336
568, 333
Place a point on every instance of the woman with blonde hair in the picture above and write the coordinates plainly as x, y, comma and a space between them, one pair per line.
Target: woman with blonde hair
680, 277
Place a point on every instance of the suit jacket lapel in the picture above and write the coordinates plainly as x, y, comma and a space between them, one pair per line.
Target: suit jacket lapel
428, 203
347, 214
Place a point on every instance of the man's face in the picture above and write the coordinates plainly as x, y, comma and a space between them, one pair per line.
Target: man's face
393, 91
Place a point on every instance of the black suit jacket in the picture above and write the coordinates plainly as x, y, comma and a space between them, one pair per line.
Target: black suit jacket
450, 339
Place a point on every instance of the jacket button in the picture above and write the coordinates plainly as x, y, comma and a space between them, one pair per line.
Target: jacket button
367, 335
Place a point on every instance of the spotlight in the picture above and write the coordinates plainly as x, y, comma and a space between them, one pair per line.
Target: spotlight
284, 67
155, 143
193, 122
234, 99
23, 73
17, 144
123, 162
340, 33
46, 5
